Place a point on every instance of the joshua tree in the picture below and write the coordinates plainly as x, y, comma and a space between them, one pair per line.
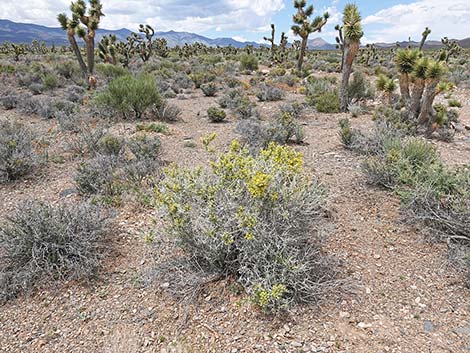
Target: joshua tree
386, 85
18, 50
434, 72
283, 45
107, 49
271, 40
451, 47
126, 50
91, 22
340, 43
351, 31
145, 46
71, 26
419, 82
406, 60
303, 27
425, 35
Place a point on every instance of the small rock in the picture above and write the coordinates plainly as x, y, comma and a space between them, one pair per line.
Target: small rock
67, 192
463, 330
363, 325
344, 314
428, 326
296, 344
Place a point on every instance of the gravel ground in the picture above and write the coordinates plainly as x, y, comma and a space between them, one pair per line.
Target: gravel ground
402, 295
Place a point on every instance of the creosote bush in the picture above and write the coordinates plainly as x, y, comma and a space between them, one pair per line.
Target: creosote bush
40, 242
130, 96
257, 219
248, 62
17, 155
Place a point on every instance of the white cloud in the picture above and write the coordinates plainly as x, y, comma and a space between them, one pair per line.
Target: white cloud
449, 18
240, 39
178, 15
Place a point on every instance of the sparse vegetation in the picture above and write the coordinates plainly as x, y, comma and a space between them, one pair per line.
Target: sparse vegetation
41, 243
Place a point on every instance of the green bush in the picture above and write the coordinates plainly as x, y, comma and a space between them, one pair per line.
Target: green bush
130, 96
323, 95
248, 62
41, 242
402, 162
50, 81
111, 71
253, 218
327, 103
216, 115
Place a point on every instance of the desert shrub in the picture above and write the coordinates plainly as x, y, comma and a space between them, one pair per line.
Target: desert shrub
50, 81
112, 173
98, 176
67, 69
154, 127
111, 145
182, 81
46, 107
430, 193
17, 155
402, 162
257, 134
289, 80
248, 62
232, 82
87, 138
74, 93
268, 93
13, 101
40, 242
130, 96
254, 218
359, 88
327, 103
322, 94
355, 110
216, 115
166, 111
198, 78
36, 88
111, 71
209, 89
246, 109
231, 99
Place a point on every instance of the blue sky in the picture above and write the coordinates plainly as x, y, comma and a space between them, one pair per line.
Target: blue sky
383, 20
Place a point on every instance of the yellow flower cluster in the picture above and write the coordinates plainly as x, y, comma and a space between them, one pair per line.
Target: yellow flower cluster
283, 157
265, 297
258, 184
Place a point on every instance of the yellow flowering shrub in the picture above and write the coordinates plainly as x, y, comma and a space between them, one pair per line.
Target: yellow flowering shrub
248, 216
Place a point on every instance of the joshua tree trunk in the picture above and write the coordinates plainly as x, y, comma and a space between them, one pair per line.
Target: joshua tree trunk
415, 102
90, 52
302, 54
78, 54
428, 99
405, 87
350, 51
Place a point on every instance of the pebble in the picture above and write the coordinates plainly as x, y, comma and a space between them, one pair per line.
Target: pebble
428, 326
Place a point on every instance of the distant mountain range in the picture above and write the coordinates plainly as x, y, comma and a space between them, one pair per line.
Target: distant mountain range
25, 33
